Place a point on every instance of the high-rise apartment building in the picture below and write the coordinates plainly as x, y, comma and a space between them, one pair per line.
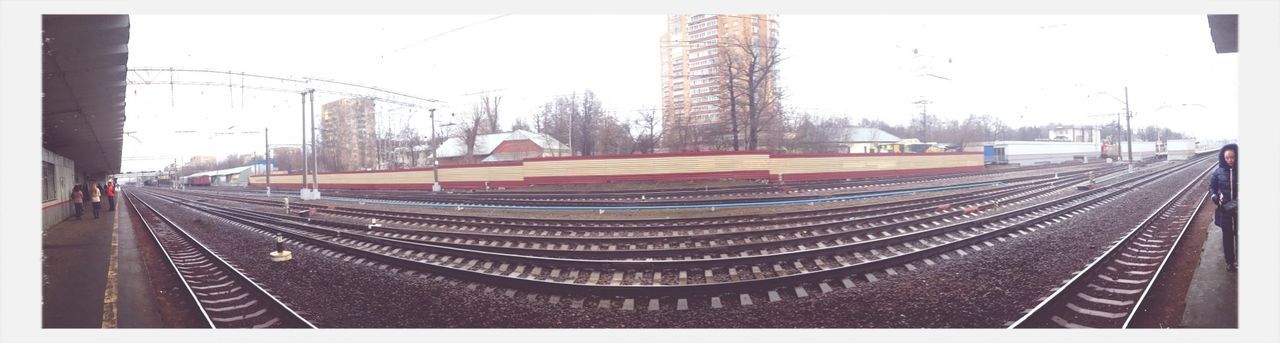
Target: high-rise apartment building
348, 135
695, 48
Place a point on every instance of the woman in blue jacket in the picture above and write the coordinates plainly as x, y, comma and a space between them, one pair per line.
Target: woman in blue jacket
1224, 189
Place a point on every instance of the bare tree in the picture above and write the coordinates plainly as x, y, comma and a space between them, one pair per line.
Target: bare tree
730, 72
469, 129
592, 110
678, 139
519, 124
648, 122
489, 104
614, 136
555, 119
565, 118
754, 66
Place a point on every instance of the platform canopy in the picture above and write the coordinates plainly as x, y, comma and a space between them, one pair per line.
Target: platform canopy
84, 72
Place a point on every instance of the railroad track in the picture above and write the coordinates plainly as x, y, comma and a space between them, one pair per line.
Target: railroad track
1108, 292
769, 276
664, 198
688, 241
225, 297
648, 224
718, 190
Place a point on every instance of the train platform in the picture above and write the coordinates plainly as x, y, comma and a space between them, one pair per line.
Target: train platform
93, 274
1212, 299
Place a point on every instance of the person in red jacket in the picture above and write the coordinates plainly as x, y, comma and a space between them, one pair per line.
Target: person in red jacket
111, 194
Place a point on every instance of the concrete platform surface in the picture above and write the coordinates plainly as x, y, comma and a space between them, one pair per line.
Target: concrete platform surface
80, 286
1212, 299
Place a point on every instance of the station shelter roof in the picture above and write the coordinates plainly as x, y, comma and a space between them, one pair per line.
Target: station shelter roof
84, 69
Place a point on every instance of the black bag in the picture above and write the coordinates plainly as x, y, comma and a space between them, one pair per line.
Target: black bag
1230, 206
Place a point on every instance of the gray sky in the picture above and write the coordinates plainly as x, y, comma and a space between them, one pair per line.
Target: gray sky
1027, 70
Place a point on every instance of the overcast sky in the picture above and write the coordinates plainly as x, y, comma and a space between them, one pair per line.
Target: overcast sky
1026, 70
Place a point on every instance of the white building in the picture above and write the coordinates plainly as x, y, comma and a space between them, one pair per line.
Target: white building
1035, 152
503, 146
1080, 134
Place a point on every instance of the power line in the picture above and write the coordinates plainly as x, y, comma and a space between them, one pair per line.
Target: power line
299, 83
438, 35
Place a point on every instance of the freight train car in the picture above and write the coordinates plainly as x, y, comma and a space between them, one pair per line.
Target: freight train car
202, 180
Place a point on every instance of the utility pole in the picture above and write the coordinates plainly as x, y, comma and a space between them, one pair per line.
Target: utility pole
305, 166
924, 120
572, 131
315, 155
435, 165
1128, 123
266, 156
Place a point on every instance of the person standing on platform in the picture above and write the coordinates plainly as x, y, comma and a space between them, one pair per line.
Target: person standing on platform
1224, 190
111, 195
77, 199
85, 189
95, 195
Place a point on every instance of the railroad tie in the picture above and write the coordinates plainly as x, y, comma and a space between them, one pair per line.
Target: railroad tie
684, 277
778, 270
715, 302
774, 297
801, 292
605, 303
682, 304
653, 304
744, 299
755, 271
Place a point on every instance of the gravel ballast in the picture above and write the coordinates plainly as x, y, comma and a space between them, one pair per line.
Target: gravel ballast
984, 288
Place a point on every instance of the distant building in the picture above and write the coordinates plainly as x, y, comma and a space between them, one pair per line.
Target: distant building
496, 147
203, 160
238, 176
693, 91
1035, 152
1078, 134
348, 134
863, 139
